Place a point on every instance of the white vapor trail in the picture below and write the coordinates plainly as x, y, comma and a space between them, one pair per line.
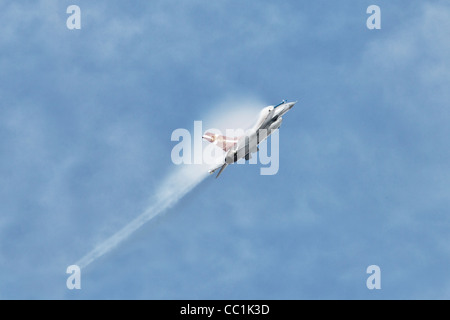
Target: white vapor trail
175, 187
181, 181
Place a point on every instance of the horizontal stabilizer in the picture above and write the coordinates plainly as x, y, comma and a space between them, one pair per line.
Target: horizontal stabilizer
223, 168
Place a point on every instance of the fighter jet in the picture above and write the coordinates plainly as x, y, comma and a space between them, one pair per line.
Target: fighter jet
236, 148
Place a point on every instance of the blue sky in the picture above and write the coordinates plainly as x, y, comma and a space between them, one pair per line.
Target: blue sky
85, 123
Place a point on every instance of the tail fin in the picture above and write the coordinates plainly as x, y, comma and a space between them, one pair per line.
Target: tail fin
223, 142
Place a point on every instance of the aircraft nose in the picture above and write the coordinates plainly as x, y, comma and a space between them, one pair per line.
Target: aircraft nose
291, 104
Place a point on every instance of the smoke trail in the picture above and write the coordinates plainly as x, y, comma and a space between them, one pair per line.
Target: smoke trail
175, 187
183, 180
